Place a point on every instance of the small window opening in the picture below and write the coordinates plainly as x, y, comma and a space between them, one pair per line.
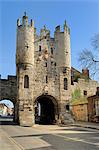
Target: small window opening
85, 92
94, 104
26, 81
64, 69
45, 64
39, 48
65, 84
46, 79
67, 107
51, 62
51, 50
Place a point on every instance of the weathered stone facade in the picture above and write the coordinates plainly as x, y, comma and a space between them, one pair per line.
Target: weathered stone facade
43, 75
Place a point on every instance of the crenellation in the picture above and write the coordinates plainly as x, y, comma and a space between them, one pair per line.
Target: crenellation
42, 84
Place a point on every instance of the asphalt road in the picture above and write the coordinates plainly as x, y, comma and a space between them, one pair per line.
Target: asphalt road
47, 137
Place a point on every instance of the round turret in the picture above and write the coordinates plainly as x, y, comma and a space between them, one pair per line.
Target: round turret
67, 45
25, 42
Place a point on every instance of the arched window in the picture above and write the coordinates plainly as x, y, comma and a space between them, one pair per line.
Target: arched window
65, 84
26, 81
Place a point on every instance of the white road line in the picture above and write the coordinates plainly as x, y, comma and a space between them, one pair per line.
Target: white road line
77, 140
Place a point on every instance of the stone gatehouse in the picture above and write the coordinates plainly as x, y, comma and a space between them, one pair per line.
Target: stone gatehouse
41, 90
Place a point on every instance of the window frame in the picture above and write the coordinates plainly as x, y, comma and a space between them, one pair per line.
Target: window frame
26, 81
65, 84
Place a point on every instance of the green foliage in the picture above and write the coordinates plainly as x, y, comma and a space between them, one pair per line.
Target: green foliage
76, 94
77, 98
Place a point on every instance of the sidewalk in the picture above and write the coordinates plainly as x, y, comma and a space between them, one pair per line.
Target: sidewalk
90, 125
6, 142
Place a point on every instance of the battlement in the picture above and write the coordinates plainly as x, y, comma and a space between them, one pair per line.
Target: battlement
66, 28
9, 78
45, 32
25, 22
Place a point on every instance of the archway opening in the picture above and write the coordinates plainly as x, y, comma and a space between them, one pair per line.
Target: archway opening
6, 110
45, 110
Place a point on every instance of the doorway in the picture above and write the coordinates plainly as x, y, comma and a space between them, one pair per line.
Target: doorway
45, 110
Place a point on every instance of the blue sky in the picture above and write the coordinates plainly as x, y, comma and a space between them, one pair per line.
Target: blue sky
82, 16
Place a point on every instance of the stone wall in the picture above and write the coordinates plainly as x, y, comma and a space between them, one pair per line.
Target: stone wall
46, 61
8, 88
80, 112
86, 85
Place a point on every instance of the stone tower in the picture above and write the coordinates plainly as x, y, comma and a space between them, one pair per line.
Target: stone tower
41, 91
24, 70
50, 87
63, 61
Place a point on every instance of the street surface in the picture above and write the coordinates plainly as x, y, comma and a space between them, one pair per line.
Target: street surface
46, 137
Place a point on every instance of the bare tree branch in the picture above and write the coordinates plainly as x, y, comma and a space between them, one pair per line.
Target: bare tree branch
95, 42
89, 58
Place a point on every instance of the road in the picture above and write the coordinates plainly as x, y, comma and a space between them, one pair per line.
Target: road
46, 137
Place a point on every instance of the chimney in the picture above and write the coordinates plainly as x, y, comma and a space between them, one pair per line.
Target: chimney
97, 92
85, 72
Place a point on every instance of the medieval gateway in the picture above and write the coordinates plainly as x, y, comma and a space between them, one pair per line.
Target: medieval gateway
42, 89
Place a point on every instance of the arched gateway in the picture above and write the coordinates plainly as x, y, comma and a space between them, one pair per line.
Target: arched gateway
8, 91
46, 110
43, 68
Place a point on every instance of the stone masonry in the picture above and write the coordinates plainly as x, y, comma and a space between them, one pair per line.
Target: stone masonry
43, 75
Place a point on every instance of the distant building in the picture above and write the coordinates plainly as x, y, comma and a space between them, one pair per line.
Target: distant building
5, 110
93, 107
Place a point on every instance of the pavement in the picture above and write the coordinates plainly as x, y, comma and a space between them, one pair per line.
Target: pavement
49, 137
90, 125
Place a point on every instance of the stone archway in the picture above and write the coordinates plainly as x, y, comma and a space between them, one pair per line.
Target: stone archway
7, 109
8, 92
46, 110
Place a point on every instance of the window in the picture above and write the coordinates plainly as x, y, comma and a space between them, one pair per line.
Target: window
67, 107
51, 50
39, 48
51, 62
85, 92
64, 69
65, 84
46, 79
26, 81
45, 64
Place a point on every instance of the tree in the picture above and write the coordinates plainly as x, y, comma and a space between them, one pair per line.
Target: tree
90, 58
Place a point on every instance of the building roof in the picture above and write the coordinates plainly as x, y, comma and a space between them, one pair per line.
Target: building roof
2, 105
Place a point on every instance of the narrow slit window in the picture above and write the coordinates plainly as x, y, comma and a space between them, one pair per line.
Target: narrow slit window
39, 48
51, 50
46, 79
26, 81
65, 84
45, 64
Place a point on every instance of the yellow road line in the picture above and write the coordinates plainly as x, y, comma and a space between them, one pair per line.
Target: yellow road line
13, 141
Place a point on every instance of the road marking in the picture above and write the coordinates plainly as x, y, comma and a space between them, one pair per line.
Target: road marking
13, 141
77, 140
